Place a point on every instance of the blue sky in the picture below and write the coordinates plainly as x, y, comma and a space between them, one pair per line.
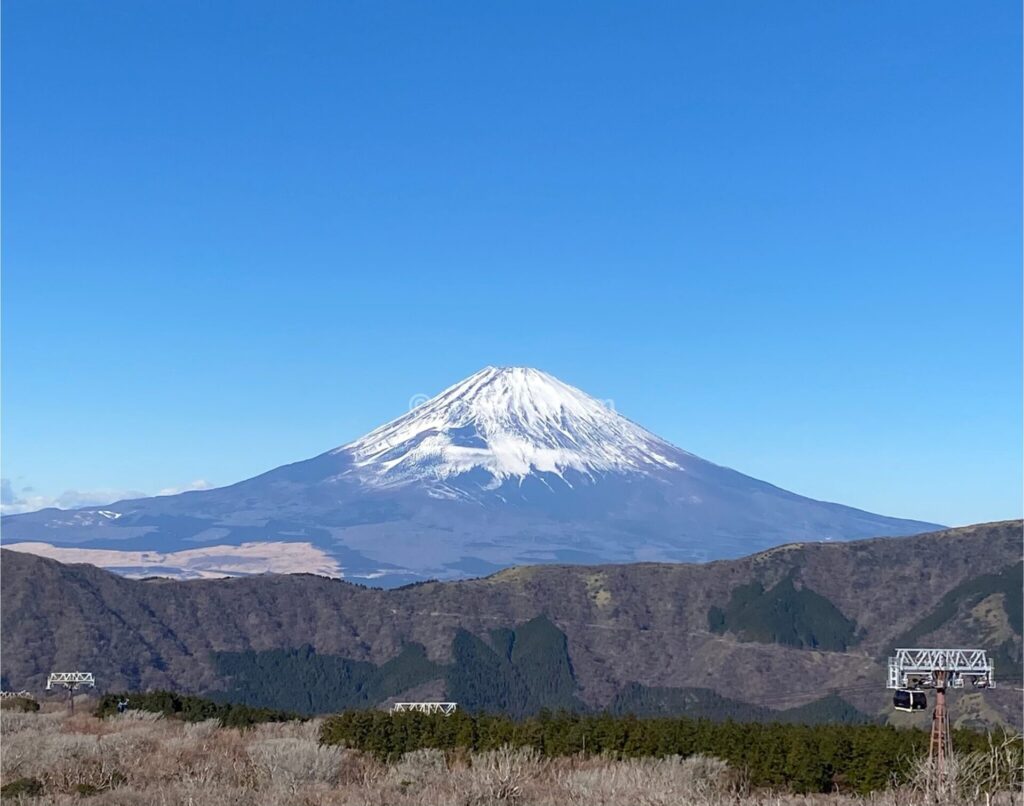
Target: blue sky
785, 236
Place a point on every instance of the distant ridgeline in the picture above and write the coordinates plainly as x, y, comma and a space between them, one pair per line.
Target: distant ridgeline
518, 672
805, 621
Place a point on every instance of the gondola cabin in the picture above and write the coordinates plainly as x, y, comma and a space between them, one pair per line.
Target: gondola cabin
905, 699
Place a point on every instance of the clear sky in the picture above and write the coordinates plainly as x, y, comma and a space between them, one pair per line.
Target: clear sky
785, 236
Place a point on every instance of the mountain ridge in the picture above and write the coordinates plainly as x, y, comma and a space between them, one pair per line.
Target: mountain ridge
623, 624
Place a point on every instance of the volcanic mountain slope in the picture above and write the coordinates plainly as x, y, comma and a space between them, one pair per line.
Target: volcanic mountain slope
779, 629
511, 466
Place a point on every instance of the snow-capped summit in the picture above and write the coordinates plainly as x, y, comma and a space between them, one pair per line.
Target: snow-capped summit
510, 466
507, 422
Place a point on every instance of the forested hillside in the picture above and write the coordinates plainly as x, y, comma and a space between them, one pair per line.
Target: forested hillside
801, 625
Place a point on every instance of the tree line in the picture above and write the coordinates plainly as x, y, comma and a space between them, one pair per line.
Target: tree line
192, 709
800, 758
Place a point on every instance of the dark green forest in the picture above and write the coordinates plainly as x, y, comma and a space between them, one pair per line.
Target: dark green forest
518, 671
301, 680
783, 615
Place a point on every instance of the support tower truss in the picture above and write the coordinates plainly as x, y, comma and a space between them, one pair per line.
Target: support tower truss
70, 679
939, 668
446, 708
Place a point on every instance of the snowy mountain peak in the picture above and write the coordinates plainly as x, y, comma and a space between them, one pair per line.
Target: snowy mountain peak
508, 423
507, 467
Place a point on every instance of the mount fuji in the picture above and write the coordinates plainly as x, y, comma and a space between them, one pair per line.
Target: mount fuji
508, 467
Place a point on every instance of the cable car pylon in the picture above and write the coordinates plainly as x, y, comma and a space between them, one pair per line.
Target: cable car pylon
71, 681
913, 670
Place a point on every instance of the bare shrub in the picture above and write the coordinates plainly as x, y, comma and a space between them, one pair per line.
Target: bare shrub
16, 750
648, 781
499, 776
219, 758
130, 753
293, 761
16, 721
66, 762
419, 768
309, 729
362, 770
138, 715
971, 777
200, 731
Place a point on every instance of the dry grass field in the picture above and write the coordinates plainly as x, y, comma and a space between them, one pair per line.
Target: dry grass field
139, 759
